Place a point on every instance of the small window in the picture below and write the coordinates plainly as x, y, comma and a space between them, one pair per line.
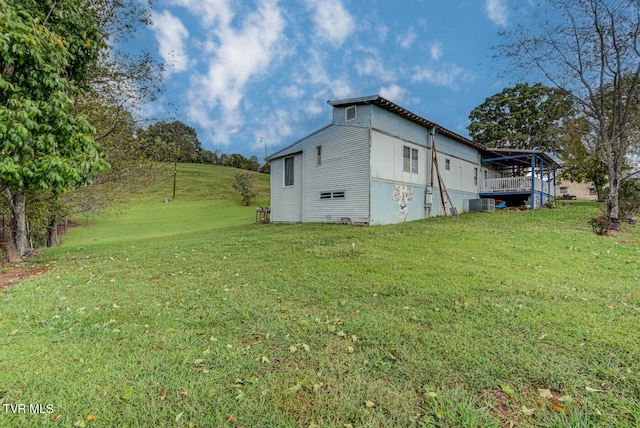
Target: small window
447, 164
288, 171
350, 113
485, 174
592, 191
325, 195
414, 161
410, 160
475, 176
338, 195
564, 190
319, 155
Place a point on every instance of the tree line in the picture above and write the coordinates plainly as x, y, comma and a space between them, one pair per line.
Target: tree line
69, 138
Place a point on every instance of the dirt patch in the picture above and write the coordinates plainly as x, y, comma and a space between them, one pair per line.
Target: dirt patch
16, 274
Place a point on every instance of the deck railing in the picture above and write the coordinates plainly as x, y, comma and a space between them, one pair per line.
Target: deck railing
512, 184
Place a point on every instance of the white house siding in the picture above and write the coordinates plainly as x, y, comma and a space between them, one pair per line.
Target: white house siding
344, 168
396, 195
459, 179
286, 201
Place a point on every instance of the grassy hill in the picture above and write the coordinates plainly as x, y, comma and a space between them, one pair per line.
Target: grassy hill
190, 314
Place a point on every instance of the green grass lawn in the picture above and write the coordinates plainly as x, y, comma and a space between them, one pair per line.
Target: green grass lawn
189, 314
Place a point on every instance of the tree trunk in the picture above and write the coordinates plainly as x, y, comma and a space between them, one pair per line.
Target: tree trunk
20, 223
612, 198
8, 248
52, 240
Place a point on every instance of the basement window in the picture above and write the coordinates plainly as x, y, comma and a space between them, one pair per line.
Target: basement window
350, 113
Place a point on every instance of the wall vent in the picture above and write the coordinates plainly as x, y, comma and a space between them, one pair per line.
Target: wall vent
350, 113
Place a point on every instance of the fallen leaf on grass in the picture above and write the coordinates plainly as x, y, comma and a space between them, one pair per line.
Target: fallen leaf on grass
163, 394
90, 417
545, 393
179, 416
609, 306
232, 418
265, 360
370, 404
527, 411
560, 408
56, 418
589, 389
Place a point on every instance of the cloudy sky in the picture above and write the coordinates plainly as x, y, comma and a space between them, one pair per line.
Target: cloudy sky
250, 73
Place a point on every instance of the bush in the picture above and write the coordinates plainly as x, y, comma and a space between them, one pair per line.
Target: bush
600, 225
245, 186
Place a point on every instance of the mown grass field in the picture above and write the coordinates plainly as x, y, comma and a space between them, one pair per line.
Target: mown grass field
189, 314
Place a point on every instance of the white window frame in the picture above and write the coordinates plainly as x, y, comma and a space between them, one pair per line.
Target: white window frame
410, 160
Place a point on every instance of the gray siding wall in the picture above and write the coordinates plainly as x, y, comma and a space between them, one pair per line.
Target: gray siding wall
286, 202
344, 167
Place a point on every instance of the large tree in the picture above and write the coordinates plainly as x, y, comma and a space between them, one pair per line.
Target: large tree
46, 50
522, 117
590, 48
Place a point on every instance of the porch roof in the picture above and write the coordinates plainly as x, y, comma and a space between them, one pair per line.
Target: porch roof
518, 157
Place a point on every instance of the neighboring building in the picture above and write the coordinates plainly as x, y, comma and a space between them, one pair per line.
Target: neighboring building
378, 163
582, 191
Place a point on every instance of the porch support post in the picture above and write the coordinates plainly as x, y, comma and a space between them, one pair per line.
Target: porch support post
533, 182
541, 182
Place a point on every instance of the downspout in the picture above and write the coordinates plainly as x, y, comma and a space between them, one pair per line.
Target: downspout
429, 173
370, 159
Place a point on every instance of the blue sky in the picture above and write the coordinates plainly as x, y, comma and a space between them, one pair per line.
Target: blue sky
245, 73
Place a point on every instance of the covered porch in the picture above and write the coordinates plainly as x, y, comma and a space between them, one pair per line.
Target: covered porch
523, 177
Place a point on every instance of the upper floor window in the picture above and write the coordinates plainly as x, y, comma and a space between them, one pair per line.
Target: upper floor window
447, 164
410, 160
475, 176
319, 155
288, 171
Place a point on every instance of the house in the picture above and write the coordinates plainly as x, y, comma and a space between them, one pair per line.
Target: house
378, 163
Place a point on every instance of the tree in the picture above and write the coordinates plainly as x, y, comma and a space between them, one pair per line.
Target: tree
522, 117
590, 48
245, 186
582, 161
46, 49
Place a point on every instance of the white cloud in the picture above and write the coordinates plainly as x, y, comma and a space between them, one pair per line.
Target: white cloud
406, 40
171, 35
210, 12
449, 75
394, 93
373, 66
241, 56
332, 21
497, 12
436, 51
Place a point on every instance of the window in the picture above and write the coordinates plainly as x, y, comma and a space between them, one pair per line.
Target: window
592, 191
475, 176
564, 190
410, 160
485, 174
288, 171
350, 113
337, 194
447, 164
319, 155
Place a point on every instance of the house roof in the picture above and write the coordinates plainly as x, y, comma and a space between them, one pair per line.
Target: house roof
515, 155
381, 102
